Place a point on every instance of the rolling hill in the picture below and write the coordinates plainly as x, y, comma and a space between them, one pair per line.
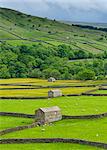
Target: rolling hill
33, 49
17, 28
38, 47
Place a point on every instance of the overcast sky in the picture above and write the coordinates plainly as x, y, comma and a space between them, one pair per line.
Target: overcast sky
71, 10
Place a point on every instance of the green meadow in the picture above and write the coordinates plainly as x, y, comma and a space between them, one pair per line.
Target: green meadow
32, 50
101, 92
93, 130
15, 27
58, 146
41, 92
86, 129
9, 122
77, 105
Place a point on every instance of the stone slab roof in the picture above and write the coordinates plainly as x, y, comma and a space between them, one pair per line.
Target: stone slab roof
50, 109
56, 90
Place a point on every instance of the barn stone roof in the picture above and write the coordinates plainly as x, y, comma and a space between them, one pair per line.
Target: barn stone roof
56, 90
50, 109
52, 78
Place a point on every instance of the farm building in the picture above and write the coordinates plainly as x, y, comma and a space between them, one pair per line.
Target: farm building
54, 93
51, 79
48, 115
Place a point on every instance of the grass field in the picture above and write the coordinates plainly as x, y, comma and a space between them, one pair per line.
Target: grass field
41, 92
15, 87
46, 146
9, 122
100, 92
93, 129
34, 80
70, 105
15, 27
40, 82
20, 29
21, 87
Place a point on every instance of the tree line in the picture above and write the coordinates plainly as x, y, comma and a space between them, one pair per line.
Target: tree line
90, 27
42, 61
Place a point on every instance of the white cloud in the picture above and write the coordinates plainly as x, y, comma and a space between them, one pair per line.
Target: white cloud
51, 8
85, 5
99, 5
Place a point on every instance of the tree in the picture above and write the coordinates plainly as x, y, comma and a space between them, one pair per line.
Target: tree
24, 49
105, 68
36, 73
21, 70
40, 60
65, 51
4, 72
50, 72
86, 75
28, 60
7, 57
66, 76
55, 73
80, 54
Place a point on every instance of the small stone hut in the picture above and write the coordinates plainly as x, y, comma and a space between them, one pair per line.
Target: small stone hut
51, 79
48, 115
54, 93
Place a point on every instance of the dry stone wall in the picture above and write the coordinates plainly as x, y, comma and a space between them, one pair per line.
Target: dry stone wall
53, 140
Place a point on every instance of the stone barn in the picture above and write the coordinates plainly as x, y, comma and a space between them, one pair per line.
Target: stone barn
54, 93
51, 79
48, 115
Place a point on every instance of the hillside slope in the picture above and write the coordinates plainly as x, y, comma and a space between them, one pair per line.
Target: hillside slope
42, 48
18, 28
